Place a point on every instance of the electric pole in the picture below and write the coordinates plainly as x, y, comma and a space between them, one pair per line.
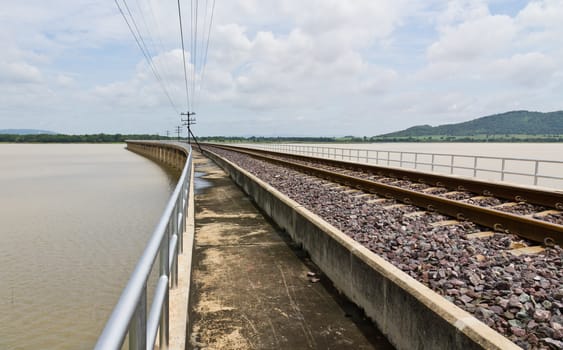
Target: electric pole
168, 134
189, 121
178, 130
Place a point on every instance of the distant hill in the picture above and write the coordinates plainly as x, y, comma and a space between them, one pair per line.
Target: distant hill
26, 132
514, 123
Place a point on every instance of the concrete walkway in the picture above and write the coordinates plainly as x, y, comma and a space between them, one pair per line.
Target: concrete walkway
251, 289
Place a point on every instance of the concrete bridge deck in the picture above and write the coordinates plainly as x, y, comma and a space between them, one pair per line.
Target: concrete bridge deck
251, 289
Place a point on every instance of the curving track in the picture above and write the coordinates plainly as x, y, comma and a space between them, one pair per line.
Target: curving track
503, 280
467, 199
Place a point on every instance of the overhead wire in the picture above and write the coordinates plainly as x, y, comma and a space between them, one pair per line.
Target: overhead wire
194, 72
157, 45
146, 49
184, 56
194, 52
142, 46
202, 74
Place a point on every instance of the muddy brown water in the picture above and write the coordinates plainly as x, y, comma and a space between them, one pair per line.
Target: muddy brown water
74, 220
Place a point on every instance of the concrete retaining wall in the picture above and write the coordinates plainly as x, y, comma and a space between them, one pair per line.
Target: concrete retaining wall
411, 315
164, 152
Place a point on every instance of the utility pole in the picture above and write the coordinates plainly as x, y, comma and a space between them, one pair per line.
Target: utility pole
168, 134
178, 130
189, 121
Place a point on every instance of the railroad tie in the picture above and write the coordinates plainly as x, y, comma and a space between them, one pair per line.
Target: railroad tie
377, 201
545, 213
395, 206
431, 189
527, 250
447, 194
416, 214
444, 223
483, 234
506, 205
479, 198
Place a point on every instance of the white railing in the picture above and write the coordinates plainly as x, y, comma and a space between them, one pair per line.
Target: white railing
130, 316
526, 171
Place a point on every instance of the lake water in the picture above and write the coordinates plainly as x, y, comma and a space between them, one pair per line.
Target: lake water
74, 220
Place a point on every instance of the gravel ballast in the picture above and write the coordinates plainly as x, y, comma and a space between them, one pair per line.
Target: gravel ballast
521, 297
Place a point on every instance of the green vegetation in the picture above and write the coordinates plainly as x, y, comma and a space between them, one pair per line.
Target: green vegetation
60, 138
365, 139
472, 138
517, 126
262, 139
526, 125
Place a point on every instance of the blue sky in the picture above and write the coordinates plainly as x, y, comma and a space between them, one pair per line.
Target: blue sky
284, 67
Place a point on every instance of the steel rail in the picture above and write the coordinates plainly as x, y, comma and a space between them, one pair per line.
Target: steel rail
529, 228
551, 199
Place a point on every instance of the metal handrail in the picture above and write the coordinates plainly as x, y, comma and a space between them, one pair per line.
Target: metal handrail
130, 313
433, 161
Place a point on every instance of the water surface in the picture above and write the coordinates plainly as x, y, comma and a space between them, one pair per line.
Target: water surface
74, 219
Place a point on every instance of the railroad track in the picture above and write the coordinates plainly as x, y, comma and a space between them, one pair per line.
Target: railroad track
459, 198
507, 282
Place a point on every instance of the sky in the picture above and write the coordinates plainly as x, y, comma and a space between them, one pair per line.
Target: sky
276, 68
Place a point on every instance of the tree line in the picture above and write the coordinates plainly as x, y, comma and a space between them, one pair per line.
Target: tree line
118, 138
62, 138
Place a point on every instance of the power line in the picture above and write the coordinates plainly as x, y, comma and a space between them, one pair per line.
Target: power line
195, 52
178, 131
145, 54
146, 49
156, 44
184, 56
202, 74
189, 121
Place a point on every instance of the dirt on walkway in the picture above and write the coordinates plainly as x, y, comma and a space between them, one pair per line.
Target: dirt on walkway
251, 289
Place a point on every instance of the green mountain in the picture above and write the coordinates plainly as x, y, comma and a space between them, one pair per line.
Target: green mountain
513, 123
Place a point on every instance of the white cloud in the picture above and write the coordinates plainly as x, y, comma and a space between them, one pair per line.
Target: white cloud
542, 14
459, 11
477, 37
530, 70
478, 53
334, 67
65, 80
19, 73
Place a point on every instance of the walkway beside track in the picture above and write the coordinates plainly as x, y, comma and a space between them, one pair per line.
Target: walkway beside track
251, 289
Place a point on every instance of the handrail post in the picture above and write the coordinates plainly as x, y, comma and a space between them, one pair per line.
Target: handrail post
536, 169
452, 164
475, 166
502, 170
138, 325
164, 270
174, 271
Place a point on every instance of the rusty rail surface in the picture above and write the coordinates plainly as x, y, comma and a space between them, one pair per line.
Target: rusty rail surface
526, 227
